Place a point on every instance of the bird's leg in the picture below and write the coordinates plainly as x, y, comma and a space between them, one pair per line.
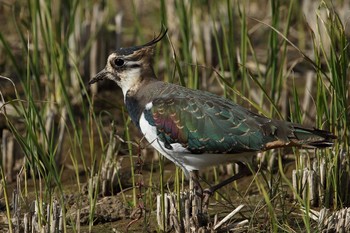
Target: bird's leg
198, 215
210, 191
197, 196
195, 186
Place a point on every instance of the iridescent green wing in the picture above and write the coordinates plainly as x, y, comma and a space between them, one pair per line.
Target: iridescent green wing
205, 123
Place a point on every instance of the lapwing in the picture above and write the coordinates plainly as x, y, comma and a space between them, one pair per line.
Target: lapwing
193, 128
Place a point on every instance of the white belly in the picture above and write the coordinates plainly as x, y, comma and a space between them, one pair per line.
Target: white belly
185, 159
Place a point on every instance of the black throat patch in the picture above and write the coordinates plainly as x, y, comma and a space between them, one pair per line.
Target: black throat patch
134, 109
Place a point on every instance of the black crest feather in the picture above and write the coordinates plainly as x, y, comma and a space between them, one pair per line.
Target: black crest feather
130, 50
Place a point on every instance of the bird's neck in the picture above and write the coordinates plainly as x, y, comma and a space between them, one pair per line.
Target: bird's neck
139, 95
137, 80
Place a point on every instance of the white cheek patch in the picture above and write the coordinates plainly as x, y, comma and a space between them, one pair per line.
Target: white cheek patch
129, 79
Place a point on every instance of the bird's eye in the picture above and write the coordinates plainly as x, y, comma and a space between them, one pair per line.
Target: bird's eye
118, 62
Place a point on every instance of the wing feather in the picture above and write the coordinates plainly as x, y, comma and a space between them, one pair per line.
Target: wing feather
206, 124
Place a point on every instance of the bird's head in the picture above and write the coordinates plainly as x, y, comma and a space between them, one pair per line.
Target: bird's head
129, 66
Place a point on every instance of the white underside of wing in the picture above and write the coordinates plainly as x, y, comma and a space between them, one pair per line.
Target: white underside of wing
183, 158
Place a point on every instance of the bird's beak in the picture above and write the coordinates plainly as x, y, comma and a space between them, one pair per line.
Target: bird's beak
98, 77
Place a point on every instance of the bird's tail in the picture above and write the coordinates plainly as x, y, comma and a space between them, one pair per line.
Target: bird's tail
311, 137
